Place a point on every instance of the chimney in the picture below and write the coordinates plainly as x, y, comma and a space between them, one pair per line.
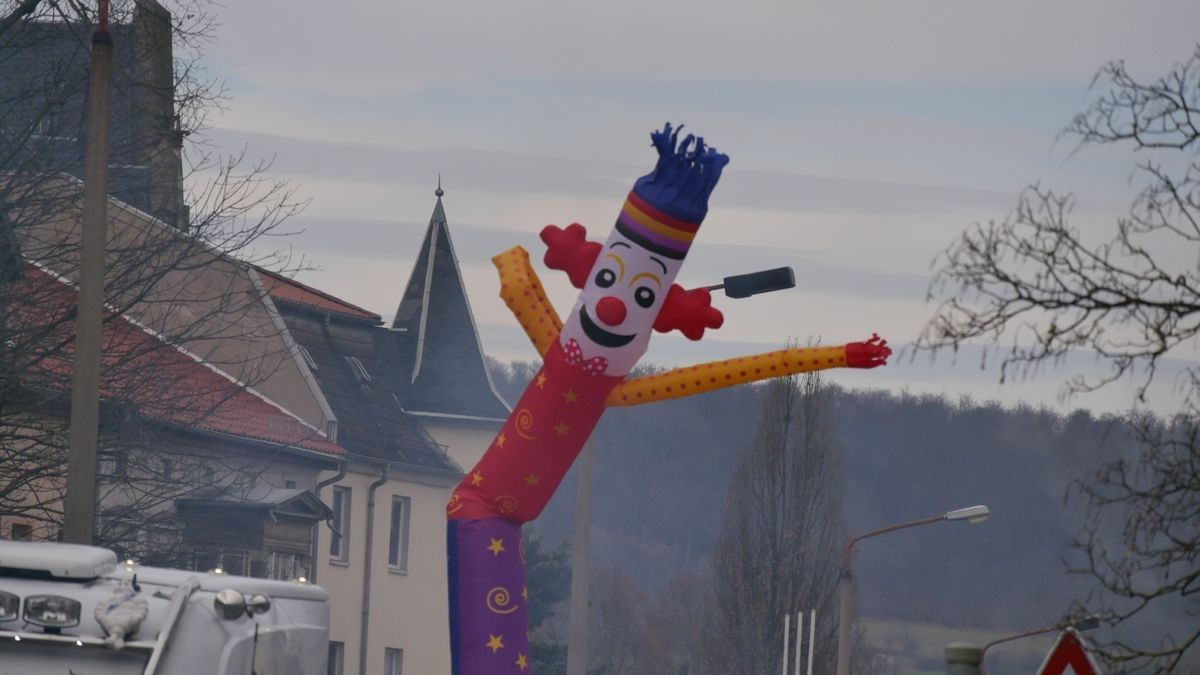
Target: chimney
158, 138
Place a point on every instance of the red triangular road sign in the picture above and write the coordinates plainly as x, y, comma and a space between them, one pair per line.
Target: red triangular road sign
1067, 657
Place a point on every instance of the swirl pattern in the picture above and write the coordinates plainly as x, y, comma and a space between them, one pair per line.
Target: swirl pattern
524, 424
500, 602
507, 503
455, 504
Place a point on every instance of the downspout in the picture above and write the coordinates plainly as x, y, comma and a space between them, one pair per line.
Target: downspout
312, 572
366, 592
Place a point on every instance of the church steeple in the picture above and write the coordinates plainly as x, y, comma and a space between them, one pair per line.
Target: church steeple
447, 369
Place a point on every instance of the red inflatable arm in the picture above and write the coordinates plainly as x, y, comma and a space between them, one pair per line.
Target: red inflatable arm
570, 251
688, 311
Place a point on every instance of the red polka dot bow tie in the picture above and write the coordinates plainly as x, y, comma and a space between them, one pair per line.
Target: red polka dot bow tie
574, 357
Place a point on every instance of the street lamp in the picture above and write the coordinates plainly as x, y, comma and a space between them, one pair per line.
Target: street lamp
1085, 623
737, 286
765, 281
971, 514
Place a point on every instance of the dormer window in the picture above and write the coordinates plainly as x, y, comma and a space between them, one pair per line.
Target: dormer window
308, 359
360, 371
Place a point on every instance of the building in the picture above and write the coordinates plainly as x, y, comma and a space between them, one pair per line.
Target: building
409, 405
406, 406
196, 471
414, 405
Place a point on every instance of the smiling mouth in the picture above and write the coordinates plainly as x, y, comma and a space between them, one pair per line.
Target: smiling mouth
599, 335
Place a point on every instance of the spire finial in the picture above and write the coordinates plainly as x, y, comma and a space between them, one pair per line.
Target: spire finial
439, 192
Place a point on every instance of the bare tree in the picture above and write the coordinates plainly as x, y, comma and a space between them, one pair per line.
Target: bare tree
781, 535
682, 611
1032, 280
624, 637
181, 264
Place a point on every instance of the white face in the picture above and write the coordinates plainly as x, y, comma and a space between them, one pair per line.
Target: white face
615, 313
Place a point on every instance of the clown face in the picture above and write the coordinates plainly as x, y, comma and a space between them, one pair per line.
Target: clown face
617, 307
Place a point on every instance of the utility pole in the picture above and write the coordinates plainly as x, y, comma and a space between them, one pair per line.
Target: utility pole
581, 548
963, 659
79, 504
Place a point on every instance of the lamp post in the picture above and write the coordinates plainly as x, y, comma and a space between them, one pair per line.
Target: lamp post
1086, 623
971, 514
737, 287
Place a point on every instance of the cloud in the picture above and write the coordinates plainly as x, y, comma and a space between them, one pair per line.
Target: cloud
918, 40
493, 171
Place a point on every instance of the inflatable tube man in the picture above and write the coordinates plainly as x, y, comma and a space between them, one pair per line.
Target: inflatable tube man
627, 291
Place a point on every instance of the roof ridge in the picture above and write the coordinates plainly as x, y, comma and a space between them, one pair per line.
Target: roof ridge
195, 358
315, 291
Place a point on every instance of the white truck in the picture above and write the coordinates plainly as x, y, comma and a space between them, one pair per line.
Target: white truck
76, 610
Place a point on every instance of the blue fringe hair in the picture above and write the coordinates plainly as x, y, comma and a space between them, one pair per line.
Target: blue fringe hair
684, 176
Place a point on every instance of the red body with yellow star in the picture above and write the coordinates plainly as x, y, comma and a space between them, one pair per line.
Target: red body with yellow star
537, 445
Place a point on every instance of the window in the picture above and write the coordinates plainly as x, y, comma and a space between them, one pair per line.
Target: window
398, 539
393, 661
234, 563
337, 655
339, 541
115, 464
287, 566
22, 532
168, 469
360, 371
308, 359
289, 484
204, 561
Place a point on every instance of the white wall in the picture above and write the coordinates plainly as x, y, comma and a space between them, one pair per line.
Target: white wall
409, 610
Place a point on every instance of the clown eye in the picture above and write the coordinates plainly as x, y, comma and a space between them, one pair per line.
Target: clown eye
605, 278
644, 296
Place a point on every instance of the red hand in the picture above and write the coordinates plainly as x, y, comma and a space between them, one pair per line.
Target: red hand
570, 251
688, 311
869, 354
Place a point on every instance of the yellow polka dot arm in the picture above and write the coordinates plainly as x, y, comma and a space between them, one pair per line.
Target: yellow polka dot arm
522, 291
714, 375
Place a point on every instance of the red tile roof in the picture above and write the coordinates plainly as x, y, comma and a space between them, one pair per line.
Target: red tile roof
160, 381
289, 290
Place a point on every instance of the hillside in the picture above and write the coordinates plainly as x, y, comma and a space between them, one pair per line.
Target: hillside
662, 472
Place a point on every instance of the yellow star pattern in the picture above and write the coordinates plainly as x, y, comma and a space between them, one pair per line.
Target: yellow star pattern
522, 662
497, 547
561, 429
532, 479
476, 479
525, 593
541, 380
495, 642
570, 396
500, 440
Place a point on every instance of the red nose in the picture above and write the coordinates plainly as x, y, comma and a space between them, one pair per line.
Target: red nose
610, 310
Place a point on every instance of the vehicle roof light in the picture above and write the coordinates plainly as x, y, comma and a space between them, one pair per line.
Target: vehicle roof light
10, 606
51, 611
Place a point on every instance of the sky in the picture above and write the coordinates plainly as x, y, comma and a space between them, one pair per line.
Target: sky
864, 137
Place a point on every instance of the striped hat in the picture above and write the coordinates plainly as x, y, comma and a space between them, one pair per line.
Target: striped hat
666, 206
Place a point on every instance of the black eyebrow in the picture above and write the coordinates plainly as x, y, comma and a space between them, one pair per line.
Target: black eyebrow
621, 243
660, 264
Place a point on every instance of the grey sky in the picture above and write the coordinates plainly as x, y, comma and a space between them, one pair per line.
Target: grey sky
864, 136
